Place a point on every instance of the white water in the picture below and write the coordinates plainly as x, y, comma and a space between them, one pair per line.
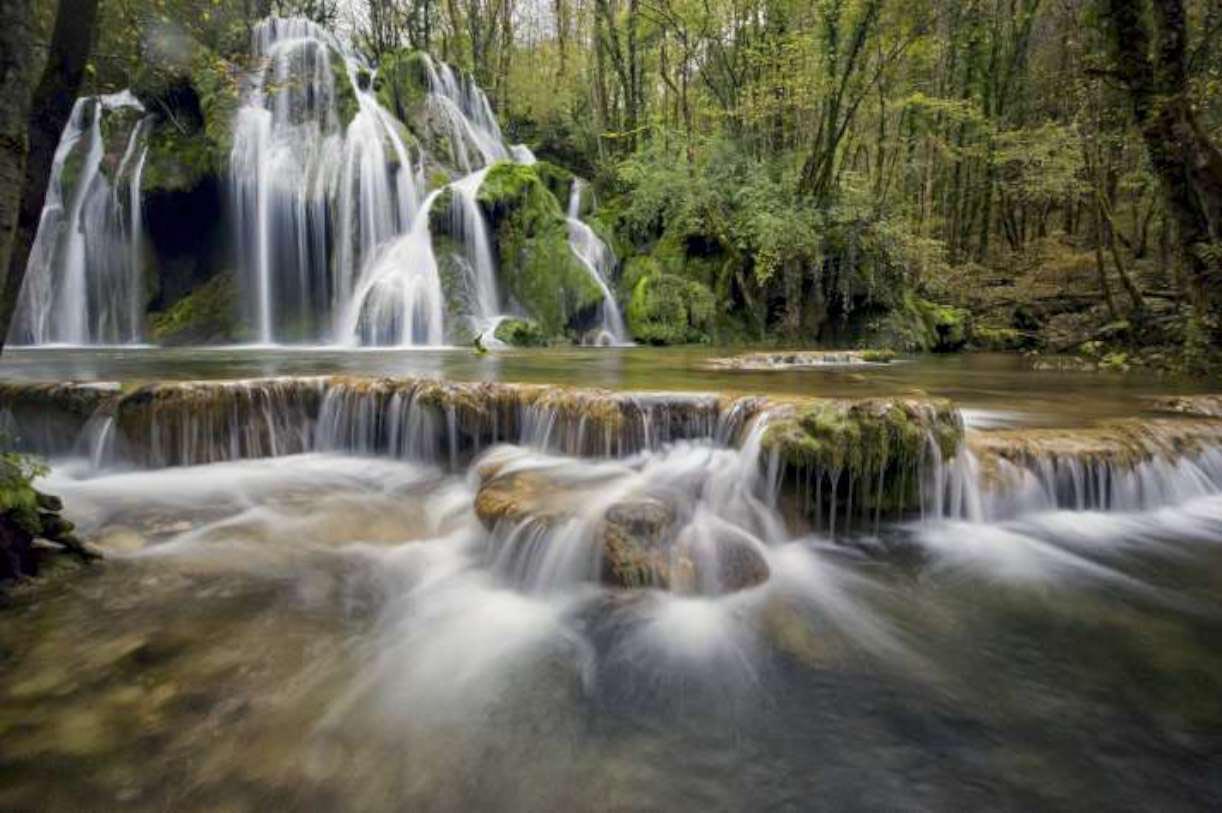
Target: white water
398, 300
314, 202
596, 258
84, 281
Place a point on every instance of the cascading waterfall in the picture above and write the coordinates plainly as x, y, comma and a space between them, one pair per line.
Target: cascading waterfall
315, 202
84, 281
474, 135
398, 300
597, 258
468, 225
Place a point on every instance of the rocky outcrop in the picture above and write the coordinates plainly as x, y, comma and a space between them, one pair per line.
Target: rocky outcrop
862, 459
27, 514
536, 265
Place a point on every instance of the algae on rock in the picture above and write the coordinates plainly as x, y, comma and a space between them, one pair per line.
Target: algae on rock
537, 266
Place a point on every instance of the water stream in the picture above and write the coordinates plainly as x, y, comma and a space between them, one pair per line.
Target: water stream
84, 283
347, 617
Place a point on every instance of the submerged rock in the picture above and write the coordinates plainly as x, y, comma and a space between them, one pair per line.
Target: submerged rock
803, 358
641, 541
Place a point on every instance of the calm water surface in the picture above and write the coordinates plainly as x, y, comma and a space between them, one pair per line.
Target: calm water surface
996, 382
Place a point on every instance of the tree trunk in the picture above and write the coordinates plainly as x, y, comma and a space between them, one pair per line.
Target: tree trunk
1187, 163
49, 110
18, 72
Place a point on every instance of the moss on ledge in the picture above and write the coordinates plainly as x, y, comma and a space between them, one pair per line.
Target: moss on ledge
207, 315
865, 455
537, 267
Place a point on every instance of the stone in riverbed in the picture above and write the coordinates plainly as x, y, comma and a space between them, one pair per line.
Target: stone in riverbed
641, 544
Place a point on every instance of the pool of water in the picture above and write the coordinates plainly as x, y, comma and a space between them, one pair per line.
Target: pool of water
1004, 385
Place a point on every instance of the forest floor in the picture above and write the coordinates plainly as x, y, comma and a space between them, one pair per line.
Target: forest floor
1051, 297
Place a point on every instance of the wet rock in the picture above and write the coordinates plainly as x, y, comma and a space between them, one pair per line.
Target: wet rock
804, 358
635, 540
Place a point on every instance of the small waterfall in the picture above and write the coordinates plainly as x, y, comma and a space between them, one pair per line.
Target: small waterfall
467, 224
315, 202
84, 281
398, 300
472, 130
597, 258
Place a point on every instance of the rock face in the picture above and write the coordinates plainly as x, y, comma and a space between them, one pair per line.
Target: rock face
537, 266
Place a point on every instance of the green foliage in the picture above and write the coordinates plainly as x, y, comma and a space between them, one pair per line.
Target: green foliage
920, 325
520, 333
665, 309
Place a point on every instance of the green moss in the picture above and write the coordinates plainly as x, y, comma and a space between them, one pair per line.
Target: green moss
879, 356
346, 104
537, 267
402, 83
997, 338
920, 325
521, 333
557, 179
206, 315
874, 448
665, 309
177, 161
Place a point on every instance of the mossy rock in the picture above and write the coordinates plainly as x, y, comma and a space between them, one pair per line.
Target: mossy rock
537, 266
558, 180
178, 161
402, 83
520, 333
666, 309
921, 325
195, 105
998, 338
876, 449
346, 103
208, 315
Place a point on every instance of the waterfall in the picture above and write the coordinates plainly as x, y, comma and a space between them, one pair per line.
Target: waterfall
596, 258
474, 135
315, 203
468, 225
399, 299
84, 282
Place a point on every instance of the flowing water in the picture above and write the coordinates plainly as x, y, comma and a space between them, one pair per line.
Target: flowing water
333, 616
597, 258
84, 283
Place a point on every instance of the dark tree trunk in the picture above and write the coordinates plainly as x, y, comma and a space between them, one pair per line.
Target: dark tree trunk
50, 107
18, 72
1188, 164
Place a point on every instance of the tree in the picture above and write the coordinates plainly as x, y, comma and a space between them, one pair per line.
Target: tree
18, 69
48, 111
1154, 68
